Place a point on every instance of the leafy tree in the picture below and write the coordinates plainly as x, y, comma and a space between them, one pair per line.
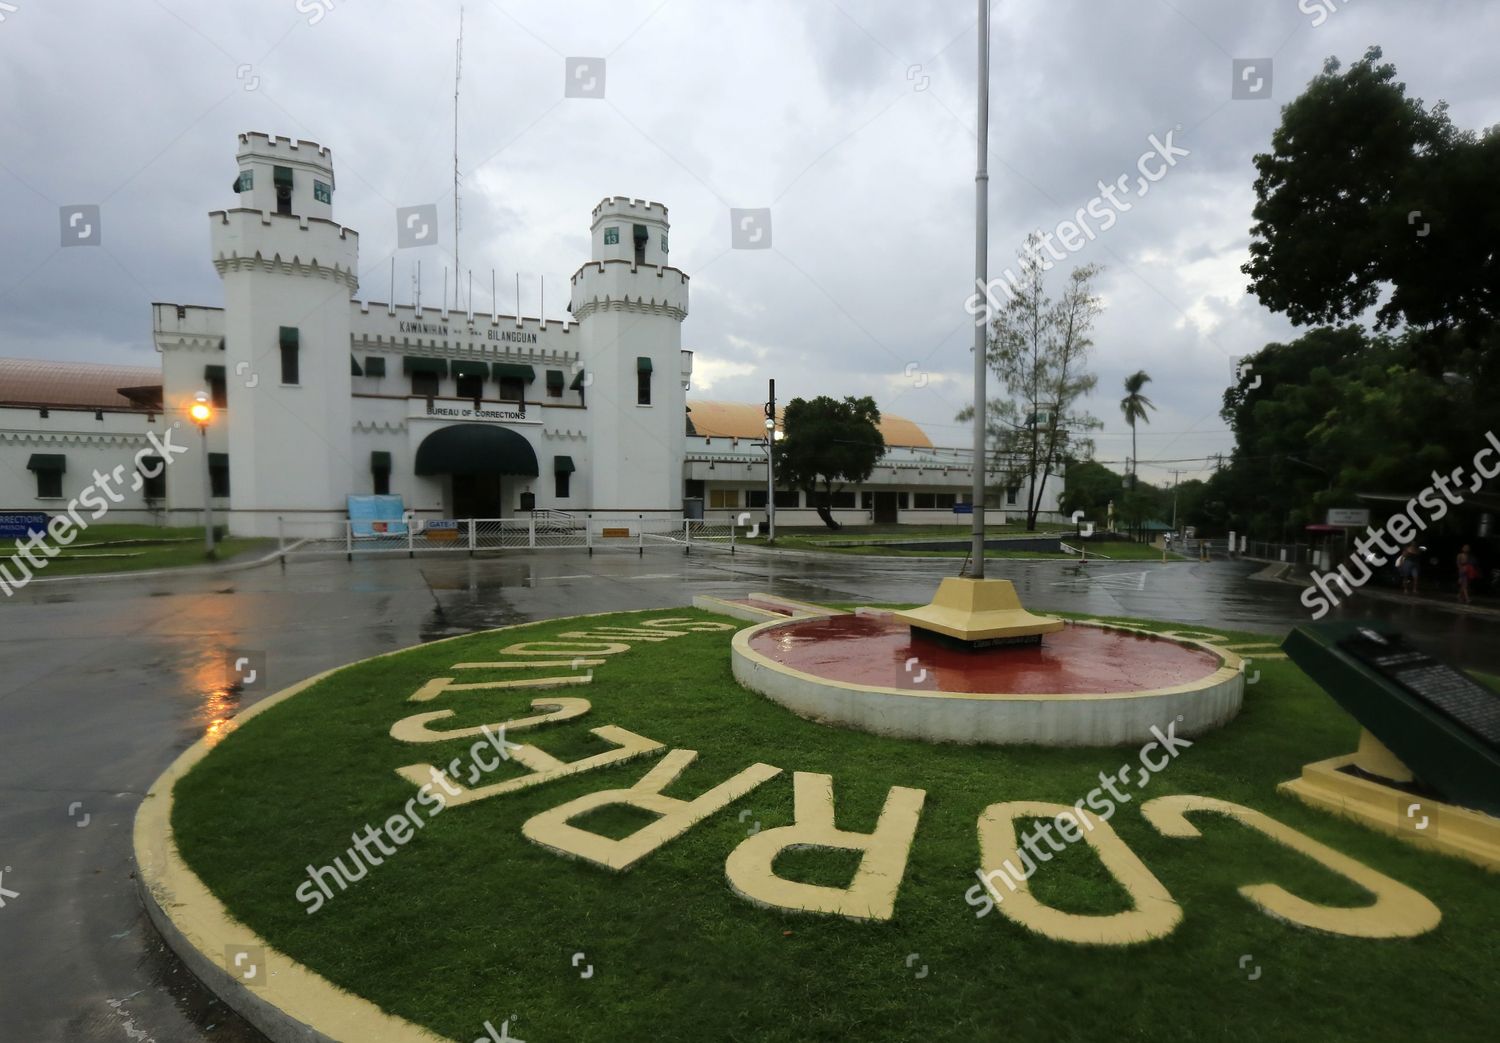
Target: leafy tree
1134, 405
1339, 412
1090, 487
828, 442
1038, 350
1366, 189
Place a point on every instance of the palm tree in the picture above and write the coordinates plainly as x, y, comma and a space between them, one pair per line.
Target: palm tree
1134, 406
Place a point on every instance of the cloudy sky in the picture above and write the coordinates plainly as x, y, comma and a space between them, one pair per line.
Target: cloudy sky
851, 121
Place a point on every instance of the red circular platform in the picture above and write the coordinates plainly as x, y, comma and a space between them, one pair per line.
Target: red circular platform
877, 650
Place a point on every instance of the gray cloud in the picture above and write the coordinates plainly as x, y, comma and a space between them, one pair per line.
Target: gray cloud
810, 108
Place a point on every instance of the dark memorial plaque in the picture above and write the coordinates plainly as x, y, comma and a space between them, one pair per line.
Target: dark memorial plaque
1439, 721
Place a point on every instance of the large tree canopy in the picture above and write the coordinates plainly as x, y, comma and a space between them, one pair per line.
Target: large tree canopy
1339, 412
1367, 192
828, 443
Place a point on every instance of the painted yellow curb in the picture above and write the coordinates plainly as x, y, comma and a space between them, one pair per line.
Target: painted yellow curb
291, 1004
1461, 832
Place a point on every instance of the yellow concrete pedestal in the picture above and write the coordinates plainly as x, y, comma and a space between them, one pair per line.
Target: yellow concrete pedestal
979, 612
1422, 821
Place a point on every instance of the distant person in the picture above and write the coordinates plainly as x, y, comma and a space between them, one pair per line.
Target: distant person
1467, 571
1409, 566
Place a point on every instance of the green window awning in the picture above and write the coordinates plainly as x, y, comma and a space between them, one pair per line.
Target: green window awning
476, 449
563, 465
213, 373
374, 365
555, 379
471, 369
283, 175
354, 370
419, 365
380, 461
218, 461
515, 370
48, 462
290, 336
642, 364
577, 384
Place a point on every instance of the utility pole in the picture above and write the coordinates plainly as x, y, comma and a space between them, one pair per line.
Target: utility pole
981, 280
771, 462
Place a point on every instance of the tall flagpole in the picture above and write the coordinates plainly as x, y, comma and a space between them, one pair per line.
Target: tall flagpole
981, 277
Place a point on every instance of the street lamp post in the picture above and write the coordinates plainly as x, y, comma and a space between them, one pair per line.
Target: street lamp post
771, 433
202, 412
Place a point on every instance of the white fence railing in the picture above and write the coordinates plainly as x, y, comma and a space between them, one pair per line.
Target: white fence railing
471, 535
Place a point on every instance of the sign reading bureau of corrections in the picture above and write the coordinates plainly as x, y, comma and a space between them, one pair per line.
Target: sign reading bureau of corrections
508, 413
19, 525
1352, 517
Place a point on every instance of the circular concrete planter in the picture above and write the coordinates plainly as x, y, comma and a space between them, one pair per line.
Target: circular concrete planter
999, 718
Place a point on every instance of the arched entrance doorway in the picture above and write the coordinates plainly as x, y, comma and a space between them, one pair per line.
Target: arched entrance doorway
476, 458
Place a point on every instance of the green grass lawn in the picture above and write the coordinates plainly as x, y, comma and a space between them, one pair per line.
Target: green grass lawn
133, 548
470, 922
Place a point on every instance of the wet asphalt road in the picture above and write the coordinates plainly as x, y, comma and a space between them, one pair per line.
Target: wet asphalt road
104, 683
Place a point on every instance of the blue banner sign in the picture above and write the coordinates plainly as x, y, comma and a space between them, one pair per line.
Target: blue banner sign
19, 525
377, 515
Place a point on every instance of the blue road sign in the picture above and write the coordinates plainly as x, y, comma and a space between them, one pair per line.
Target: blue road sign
19, 525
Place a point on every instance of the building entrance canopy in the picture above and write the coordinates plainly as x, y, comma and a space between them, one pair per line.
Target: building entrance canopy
476, 449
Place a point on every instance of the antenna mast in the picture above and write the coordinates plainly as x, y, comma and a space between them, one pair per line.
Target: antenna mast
458, 65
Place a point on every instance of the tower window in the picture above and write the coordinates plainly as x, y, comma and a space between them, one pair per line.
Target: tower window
49, 469
643, 381
562, 473
218, 475
290, 350
283, 178
642, 237
380, 472
217, 386
153, 471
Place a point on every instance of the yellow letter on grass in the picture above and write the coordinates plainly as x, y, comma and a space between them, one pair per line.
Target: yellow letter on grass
872, 893
1397, 912
554, 828
1154, 915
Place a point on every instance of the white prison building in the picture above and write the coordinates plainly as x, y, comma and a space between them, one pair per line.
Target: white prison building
319, 395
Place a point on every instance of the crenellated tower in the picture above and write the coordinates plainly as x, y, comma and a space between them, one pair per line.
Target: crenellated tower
630, 304
289, 271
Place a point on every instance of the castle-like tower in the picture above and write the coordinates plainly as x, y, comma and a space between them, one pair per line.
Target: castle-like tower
629, 304
289, 271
